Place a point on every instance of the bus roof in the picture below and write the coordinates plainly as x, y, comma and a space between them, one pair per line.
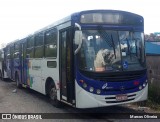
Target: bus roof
71, 17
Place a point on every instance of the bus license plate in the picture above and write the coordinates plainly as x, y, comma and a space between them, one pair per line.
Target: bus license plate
121, 97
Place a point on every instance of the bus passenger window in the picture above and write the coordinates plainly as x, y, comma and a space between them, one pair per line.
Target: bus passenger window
39, 46
51, 43
30, 47
16, 50
12, 51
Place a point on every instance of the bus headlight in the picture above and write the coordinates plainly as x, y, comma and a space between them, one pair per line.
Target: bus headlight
91, 89
144, 84
84, 85
98, 91
140, 87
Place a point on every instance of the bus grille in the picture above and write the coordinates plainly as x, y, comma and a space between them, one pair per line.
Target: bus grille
115, 76
113, 99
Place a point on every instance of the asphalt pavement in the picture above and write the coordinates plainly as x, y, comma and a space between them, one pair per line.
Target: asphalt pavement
24, 102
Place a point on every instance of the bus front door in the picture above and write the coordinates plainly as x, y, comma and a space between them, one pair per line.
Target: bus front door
24, 65
66, 67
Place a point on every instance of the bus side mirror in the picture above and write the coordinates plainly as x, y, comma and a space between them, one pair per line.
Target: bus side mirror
78, 37
78, 40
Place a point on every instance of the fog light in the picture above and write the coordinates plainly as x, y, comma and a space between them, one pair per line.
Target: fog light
144, 84
84, 85
98, 91
140, 87
91, 89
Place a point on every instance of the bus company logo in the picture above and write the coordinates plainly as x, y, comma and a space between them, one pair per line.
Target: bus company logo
104, 86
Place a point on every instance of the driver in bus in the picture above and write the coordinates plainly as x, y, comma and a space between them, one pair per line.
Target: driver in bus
103, 57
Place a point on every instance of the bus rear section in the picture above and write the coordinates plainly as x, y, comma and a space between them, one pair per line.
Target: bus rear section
3, 68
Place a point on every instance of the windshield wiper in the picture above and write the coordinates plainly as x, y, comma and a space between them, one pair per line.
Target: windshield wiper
113, 46
136, 40
129, 48
106, 38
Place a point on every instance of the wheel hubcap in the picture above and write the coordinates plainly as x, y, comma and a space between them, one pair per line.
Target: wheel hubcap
53, 94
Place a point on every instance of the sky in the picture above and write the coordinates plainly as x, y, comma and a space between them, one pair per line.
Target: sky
19, 18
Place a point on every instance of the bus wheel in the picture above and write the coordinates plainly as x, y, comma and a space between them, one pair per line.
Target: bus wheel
17, 82
53, 96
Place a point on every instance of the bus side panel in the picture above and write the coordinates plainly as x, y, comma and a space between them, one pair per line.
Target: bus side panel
25, 73
38, 70
29, 77
35, 73
50, 71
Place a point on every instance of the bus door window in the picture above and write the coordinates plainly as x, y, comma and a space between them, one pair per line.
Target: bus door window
63, 66
24, 63
66, 72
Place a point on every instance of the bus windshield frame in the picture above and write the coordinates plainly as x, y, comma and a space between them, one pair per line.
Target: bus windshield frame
111, 51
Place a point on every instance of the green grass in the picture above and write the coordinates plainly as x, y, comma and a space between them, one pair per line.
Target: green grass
153, 98
152, 104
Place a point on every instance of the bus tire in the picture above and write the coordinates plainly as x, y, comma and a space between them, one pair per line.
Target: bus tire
17, 82
53, 95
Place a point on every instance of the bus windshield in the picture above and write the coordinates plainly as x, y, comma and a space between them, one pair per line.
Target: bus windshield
104, 50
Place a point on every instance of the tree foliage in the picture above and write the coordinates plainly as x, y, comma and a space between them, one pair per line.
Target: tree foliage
152, 37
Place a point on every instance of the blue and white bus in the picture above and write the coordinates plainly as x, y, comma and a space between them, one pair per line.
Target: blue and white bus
89, 59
